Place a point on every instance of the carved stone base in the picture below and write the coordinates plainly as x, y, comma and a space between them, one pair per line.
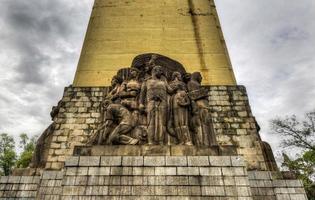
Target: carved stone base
153, 150
152, 177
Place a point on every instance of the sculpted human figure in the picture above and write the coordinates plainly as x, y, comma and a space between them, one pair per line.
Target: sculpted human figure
130, 99
98, 138
148, 66
202, 121
187, 77
130, 94
113, 95
153, 99
118, 125
179, 109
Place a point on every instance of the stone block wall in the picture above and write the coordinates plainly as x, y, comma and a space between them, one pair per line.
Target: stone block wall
80, 115
266, 186
157, 177
152, 177
51, 185
19, 187
235, 124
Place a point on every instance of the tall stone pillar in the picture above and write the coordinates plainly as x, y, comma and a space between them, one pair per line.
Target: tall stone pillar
136, 125
185, 30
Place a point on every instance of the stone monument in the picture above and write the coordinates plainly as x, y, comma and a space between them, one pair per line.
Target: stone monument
170, 124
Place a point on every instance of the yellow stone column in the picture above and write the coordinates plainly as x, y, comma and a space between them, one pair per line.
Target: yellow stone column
185, 30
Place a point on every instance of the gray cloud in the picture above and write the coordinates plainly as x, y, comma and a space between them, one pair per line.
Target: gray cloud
36, 29
270, 43
40, 42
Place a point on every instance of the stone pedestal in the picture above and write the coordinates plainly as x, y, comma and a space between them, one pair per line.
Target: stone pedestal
152, 177
155, 177
152, 150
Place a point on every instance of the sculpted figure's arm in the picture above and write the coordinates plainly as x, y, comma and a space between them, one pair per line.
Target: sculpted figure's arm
192, 86
123, 90
135, 92
184, 100
169, 88
114, 94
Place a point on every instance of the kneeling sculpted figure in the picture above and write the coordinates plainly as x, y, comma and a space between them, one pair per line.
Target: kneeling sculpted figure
118, 123
116, 128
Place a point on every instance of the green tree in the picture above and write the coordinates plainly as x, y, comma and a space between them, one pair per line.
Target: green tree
23, 140
28, 147
303, 167
7, 154
301, 135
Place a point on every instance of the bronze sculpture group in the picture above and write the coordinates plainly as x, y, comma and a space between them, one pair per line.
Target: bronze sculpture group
156, 105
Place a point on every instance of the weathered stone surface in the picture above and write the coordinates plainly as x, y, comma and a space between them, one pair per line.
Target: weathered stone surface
210, 171
177, 180
238, 161
146, 150
132, 161
111, 161
294, 183
153, 150
99, 171
143, 170
176, 161
198, 160
72, 161
220, 160
153, 177
213, 191
165, 171
188, 171
193, 151
89, 161
263, 186
154, 161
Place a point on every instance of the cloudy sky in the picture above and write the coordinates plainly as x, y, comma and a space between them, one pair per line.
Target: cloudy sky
271, 44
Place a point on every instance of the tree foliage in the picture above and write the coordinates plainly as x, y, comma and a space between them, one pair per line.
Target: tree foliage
299, 134
296, 133
28, 146
7, 154
304, 168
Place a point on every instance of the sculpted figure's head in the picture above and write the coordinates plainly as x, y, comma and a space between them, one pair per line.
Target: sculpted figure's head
134, 72
187, 77
116, 80
196, 76
176, 76
105, 104
150, 64
153, 59
157, 71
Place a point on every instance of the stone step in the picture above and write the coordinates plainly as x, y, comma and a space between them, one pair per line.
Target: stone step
154, 150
